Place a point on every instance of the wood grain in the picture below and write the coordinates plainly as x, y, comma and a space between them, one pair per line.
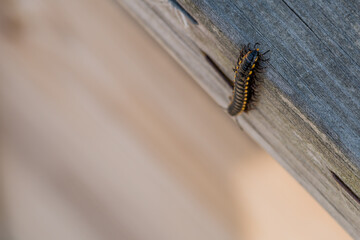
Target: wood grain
308, 114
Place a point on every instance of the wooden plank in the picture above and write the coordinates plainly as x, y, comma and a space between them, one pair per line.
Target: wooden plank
308, 114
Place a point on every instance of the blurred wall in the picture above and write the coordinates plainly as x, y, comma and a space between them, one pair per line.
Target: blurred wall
104, 136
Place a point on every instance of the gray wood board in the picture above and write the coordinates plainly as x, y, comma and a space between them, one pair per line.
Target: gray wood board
308, 114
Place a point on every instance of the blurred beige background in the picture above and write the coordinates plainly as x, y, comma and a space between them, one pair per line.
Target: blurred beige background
104, 136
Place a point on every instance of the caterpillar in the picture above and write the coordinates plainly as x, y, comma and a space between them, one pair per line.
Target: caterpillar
249, 63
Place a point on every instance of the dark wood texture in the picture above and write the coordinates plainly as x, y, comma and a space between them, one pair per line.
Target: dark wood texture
308, 114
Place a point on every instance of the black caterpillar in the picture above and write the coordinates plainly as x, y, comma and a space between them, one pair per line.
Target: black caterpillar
250, 62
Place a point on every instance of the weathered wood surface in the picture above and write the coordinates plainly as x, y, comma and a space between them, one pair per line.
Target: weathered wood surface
308, 114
